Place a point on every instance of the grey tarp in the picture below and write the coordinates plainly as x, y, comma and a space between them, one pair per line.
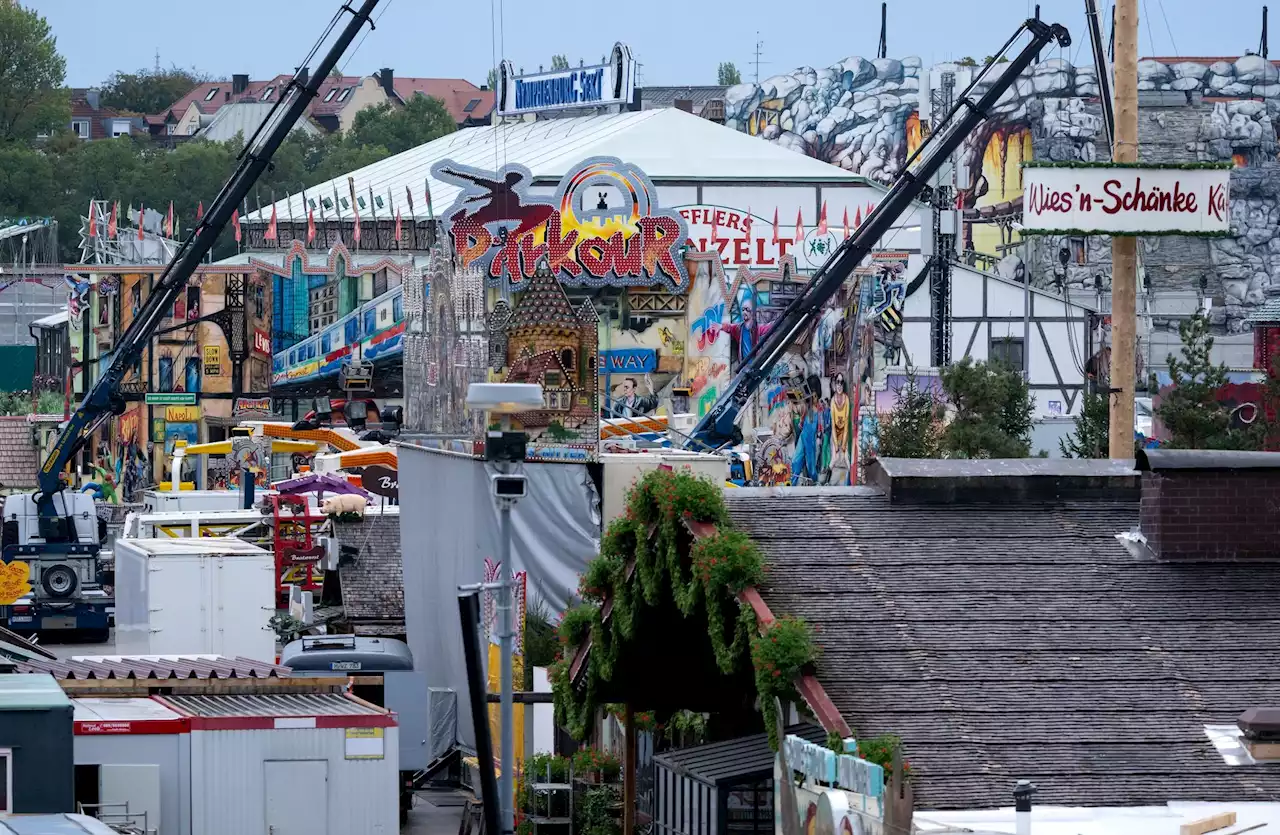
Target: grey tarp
448, 526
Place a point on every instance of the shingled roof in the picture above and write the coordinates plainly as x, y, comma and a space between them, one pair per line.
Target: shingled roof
1022, 640
373, 585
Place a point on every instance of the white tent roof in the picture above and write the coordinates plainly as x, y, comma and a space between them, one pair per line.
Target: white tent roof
666, 144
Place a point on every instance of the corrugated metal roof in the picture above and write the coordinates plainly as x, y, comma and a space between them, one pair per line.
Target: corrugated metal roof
52, 321
1268, 312
745, 759
103, 667
665, 143
305, 704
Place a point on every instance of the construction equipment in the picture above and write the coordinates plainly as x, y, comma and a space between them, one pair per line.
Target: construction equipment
719, 427
55, 529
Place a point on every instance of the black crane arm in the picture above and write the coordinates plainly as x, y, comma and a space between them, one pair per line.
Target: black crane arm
719, 426
104, 398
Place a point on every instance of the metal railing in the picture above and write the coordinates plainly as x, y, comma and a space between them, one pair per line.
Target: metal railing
124, 822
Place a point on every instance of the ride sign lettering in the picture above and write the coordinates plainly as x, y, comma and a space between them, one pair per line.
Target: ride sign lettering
1134, 201
603, 227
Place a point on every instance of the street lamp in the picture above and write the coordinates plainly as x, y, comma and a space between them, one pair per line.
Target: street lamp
507, 450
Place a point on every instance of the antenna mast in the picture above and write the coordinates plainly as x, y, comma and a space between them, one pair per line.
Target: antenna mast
883, 50
758, 62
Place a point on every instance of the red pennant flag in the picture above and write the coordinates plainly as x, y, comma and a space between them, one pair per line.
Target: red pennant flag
799, 226
356, 233
311, 225
715, 228
142, 216
397, 225
200, 211
270, 234
822, 219
775, 226
92, 232
746, 223
168, 222
857, 221
112, 229
426, 185
235, 223
846, 221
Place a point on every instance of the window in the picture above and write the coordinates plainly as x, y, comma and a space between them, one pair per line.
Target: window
166, 373
566, 358
471, 105
192, 373
1079, 251
260, 300
120, 127
266, 94
1008, 351
213, 91
346, 92
329, 96
80, 127
6, 780
552, 378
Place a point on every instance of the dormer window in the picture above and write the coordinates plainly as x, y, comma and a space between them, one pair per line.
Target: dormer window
266, 94
212, 92
346, 92
471, 105
333, 91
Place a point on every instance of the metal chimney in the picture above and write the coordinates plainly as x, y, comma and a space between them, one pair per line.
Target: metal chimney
239, 83
1022, 806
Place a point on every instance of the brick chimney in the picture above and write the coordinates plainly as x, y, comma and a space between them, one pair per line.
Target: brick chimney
387, 78
1212, 504
239, 83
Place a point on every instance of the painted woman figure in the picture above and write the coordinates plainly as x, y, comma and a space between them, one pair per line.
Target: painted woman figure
841, 415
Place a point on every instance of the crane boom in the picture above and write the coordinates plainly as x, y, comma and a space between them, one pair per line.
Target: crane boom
104, 398
719, 426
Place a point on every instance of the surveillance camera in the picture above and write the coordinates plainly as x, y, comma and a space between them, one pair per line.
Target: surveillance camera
1016, 226
508, 486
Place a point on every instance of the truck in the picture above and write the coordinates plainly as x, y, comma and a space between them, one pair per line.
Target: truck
54, 530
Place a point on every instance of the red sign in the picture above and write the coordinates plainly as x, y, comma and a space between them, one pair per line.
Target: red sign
602, 227
261, 341
140, 727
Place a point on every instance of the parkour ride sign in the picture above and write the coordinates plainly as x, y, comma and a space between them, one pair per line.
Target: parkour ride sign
1112, 200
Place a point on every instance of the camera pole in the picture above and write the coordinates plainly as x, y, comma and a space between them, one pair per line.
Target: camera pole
506, 645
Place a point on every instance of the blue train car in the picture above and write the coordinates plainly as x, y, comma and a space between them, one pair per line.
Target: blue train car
374, 332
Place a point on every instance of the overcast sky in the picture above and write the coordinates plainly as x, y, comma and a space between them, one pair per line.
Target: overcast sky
676, 41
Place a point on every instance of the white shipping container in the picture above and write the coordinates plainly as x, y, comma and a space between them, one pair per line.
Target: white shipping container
160, 501
314, 764
622, 469
189, 596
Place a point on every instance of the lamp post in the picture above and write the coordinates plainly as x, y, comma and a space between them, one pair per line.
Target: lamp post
507, 450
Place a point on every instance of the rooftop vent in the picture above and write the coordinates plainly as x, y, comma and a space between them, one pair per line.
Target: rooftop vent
1260, 732
1213, 504
1003, 481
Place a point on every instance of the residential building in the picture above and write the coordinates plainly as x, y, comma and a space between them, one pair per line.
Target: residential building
705, 100
243, 118
90, 120
334, 109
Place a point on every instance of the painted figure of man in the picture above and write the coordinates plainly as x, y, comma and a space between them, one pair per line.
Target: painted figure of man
627, 402
806, 465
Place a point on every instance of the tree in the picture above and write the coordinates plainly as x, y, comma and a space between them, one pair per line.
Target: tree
491, 81
148, 91
727, 74
1266, 426
993, 408
1092, 433
32, 100
559, 62
913, 429
397, 129
967, 61
988, 59
1191, 412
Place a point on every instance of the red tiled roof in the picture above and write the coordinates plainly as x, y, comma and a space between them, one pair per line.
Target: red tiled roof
456, 93
18, 464
155, 667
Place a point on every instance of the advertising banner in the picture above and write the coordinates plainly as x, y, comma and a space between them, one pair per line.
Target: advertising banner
1109, 200
610, 83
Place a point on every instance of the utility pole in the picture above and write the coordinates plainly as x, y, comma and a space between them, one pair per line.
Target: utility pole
759, 47
1124, 248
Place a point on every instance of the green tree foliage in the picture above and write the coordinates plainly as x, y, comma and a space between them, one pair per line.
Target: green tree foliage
148, 91
992, 411
1091, 436
914, 428
727, 74
967, 61
32, 100
1191, 412
491, 80
21, 403
559, 62
397, 129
